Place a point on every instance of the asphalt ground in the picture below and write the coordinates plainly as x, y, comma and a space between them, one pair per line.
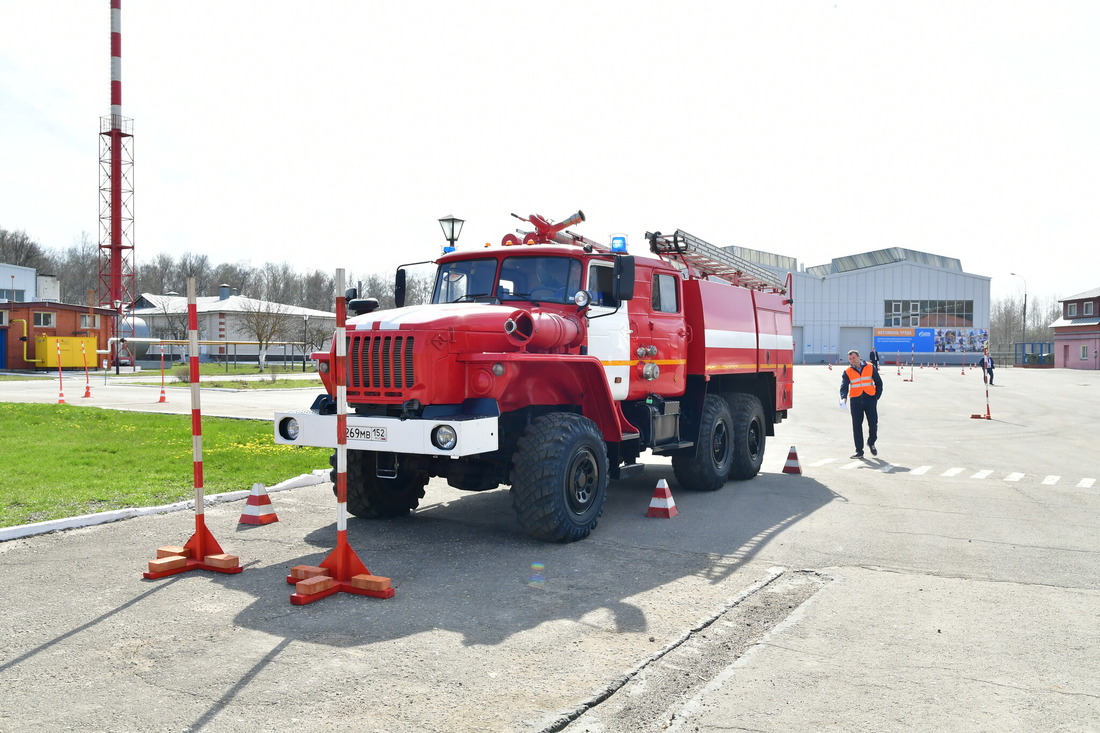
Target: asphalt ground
950, 583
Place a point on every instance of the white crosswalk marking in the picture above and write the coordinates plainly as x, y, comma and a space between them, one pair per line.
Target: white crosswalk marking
1014, 476
1086, 483
952, 472
920, 471
853, 464
982, 474
1051, 480
822, 462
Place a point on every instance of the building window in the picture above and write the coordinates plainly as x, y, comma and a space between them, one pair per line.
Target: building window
3, 318
929, 313
44, 320
1084, 352
89, 320
1088, 310
1071, 309
665, 299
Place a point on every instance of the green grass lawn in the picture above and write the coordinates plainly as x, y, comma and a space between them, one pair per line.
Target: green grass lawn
63, 460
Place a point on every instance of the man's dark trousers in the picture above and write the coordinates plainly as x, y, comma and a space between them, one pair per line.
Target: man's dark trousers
860, 406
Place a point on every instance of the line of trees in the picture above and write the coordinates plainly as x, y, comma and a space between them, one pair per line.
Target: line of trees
77, 270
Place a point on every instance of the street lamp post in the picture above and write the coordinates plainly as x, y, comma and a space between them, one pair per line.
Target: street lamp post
1023, 330
305, 338
452, 227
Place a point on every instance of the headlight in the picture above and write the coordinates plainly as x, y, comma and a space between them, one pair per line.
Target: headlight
444, 437
322, 367
582, 298
288, 428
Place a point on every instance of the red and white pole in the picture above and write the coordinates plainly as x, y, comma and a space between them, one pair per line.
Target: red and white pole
87, 380
202, 550
162, 397
60, 381
343, 570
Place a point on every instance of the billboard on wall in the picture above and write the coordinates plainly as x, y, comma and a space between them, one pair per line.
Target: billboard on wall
929, 340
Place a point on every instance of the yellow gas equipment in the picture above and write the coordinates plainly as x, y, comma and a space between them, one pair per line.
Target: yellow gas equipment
46, 351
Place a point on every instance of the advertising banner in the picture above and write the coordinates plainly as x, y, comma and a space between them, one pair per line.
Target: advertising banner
928, 340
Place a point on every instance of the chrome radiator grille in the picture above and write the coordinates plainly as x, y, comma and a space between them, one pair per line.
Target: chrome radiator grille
380, 362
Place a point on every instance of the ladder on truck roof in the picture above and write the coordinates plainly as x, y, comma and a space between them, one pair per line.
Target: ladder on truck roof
710, 259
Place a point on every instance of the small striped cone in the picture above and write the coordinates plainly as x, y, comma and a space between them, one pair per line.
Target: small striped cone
662, 504
162, 397
792, 463
258, 509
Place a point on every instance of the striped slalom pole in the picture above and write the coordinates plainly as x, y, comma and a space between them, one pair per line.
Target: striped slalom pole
202, 551
60, 381
87, 380
342, 570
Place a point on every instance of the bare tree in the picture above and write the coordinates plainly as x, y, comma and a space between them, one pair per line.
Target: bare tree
266, 322
319, 290
16, 248
238, 276
159, 275
196, 266
77, 269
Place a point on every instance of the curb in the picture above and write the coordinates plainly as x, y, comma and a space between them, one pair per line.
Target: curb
87, 520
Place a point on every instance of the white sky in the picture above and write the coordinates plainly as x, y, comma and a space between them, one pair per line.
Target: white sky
335, 134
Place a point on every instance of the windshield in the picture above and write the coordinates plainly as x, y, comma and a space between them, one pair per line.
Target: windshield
465, 280
539, 279
551, 279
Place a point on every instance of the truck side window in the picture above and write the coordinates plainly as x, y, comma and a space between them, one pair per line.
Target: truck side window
600, 285
665, 297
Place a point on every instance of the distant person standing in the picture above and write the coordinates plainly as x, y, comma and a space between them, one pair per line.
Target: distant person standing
986, 363
873, 357
860, 388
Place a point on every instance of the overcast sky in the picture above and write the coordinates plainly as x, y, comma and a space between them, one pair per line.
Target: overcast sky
335, 134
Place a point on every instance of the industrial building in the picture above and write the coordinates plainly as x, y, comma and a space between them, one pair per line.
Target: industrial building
910, 305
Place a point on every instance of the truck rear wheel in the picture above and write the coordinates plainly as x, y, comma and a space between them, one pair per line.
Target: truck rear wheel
373, 497
709, 469
559, 477
750, 432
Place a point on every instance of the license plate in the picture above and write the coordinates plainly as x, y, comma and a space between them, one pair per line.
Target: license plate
375, 434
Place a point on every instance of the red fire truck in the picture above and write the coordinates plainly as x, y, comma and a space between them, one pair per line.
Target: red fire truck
550, 364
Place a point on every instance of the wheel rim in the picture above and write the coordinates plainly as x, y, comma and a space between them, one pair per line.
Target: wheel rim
720, 444
582, 481
754, 438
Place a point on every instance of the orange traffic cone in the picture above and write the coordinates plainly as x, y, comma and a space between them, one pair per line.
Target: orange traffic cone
162, 397
792, 463
662, 504
258, 508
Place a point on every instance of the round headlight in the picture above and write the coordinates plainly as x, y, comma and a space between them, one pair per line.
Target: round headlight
582, 298
444, 437
498, 369
322, 367
289, 428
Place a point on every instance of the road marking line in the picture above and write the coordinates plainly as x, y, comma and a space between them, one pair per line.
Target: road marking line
1086, 483
851, 465
952, 472
982, 474
921, 471
822, 462
1014, 476
1051, 480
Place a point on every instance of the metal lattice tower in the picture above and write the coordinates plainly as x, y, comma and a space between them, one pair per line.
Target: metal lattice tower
116, 188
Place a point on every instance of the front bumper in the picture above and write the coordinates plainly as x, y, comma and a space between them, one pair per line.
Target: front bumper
476, 433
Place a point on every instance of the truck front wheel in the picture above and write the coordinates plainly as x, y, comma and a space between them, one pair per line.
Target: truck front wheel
559, 477
709, 469
373, 497
750, 432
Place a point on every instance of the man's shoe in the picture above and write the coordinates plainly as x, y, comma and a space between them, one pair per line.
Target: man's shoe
858, 455
874, 450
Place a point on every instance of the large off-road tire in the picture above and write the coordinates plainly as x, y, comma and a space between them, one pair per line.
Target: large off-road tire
371, 497
559, 477
750, 433
709, 469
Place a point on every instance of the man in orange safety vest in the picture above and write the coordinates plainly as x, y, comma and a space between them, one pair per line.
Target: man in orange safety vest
860, 388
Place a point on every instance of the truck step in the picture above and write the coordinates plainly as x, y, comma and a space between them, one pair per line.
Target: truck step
672, 447
628, 470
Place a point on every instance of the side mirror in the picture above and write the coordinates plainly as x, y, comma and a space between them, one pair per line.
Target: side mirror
351, 293
399, 288
623, 286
